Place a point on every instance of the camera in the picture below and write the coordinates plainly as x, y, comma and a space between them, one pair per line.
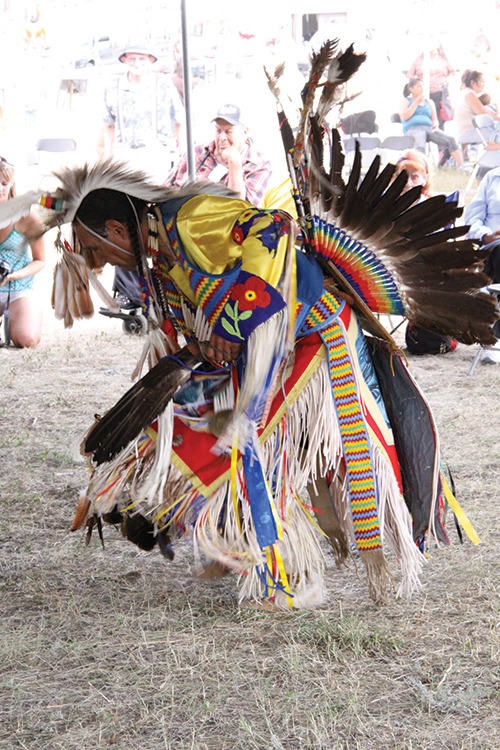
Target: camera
5, 269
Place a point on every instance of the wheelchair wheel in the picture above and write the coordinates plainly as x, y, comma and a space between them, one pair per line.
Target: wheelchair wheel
136, 325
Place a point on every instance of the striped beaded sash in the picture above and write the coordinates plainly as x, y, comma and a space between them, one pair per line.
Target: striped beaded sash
361, 481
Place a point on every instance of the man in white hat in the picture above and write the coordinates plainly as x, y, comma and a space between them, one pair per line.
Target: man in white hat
143, 115
230, 159
142, 127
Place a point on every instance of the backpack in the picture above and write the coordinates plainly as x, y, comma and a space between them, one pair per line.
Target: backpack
422, 341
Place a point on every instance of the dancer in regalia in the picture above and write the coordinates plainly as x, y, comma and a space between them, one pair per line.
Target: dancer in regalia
277, 411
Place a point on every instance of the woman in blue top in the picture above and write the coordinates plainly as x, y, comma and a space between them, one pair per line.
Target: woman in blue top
419, 118
22, 255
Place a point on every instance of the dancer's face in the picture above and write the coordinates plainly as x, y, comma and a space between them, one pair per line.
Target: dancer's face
115, 248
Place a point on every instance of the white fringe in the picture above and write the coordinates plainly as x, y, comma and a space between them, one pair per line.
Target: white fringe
155, 483
202, 329
155, 347
265, 350
109, 480
149, 490
303, 560
224, 400
396, 528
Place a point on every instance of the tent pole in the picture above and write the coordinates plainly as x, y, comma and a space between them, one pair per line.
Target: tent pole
186, 68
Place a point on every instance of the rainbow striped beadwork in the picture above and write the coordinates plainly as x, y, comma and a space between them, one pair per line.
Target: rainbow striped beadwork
361, 268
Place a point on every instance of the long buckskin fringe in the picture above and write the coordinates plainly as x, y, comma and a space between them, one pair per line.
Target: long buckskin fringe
183, 508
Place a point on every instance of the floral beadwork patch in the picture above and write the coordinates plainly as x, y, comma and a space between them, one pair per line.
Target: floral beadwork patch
268, 226
251, 302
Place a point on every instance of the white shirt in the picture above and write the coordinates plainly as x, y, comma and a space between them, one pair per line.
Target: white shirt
483, 212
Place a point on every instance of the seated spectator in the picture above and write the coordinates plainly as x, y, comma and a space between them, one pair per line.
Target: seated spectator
419, 340
483, 217
469, 102
419, 119
482, 214
230, 159
22, 255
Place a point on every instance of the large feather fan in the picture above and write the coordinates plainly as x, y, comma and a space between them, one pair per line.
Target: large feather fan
390, 252
139, 406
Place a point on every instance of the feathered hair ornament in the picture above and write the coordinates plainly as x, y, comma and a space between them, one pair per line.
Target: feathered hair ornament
390, 252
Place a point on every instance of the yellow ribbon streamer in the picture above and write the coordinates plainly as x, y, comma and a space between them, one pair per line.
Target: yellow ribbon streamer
459, 513
234, 468
283, 575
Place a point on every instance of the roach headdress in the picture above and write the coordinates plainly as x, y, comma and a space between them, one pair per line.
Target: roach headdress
76, 183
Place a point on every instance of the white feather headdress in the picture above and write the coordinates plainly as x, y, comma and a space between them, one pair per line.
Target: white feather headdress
60, 207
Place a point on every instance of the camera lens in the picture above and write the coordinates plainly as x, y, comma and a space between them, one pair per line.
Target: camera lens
4, 269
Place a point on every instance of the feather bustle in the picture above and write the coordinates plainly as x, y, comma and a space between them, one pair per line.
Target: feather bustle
418, 241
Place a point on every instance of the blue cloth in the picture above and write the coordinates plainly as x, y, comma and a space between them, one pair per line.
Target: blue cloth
421, 117
16, 252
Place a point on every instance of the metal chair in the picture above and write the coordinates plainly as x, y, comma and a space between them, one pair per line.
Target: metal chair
56, 145
360, 127
393, 146
484, 125
396, 119
369, 145
53, 153
469, 141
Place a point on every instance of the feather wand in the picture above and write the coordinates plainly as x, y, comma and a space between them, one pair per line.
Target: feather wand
139, 406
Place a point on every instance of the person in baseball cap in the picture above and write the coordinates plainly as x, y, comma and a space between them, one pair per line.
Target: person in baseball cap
230, 113
229, 159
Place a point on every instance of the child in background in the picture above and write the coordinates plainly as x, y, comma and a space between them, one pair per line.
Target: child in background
486, 100
22, 255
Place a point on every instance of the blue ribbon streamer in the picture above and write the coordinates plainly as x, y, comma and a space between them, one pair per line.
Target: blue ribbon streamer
260, 501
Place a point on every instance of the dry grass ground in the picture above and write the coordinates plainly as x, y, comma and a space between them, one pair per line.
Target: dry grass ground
119, 649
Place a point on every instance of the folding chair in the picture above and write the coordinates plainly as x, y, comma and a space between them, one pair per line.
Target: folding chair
469, 140
396, 119
484, 125
369, 145
360, 127
360, 122
393, 146
52, 153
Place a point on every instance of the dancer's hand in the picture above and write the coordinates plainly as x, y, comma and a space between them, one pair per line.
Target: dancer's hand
220, 351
